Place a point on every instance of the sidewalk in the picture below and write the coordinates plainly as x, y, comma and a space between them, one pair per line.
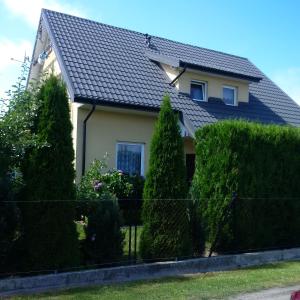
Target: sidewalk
274, 293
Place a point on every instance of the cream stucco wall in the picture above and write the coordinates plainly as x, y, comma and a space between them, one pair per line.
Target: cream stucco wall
105, 128
171, 73
214, 85
51, 65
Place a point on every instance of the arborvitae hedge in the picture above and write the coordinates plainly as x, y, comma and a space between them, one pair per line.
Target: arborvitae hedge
262, 165
165, 211
50, 236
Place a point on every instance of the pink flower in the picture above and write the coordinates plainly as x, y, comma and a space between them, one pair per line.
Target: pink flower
97, 185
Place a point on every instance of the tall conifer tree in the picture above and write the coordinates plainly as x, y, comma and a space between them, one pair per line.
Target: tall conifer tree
165, 212
49, 230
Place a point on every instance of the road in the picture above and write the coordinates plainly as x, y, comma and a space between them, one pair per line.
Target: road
274, 293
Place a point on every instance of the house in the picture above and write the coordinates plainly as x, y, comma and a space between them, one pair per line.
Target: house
116, 79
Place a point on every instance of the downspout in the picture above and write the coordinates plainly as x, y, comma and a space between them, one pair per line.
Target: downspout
84, 138
177, 77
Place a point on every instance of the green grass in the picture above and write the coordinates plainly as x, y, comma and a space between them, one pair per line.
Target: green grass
80, 231
217, 285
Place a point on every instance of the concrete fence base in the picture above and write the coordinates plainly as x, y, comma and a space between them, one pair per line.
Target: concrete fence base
53, 282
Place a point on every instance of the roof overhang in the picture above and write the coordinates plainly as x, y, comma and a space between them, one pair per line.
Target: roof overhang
178, 63
219, 72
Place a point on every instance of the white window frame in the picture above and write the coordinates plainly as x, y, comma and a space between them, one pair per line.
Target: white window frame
234, 94
142, 154
203, 83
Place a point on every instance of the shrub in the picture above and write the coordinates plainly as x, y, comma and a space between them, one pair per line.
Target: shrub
165, 212
17, 115
9, 224
50, 236
104, 239
127, 189
99, 208
261, 163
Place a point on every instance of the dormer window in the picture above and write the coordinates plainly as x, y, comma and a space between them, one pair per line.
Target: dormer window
229, 95
198, 90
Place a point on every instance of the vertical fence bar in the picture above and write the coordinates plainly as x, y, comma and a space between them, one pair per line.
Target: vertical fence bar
129, 244
135, 242
234, 220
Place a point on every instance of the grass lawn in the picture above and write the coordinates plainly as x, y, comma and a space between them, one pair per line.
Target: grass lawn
204, 286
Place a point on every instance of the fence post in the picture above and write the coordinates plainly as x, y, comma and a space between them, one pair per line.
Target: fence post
129, 244
135, 230
234, 225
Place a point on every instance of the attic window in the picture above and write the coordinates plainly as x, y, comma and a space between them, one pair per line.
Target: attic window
198, 90
229, 95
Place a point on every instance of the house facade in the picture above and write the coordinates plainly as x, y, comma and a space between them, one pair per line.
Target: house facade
116, 79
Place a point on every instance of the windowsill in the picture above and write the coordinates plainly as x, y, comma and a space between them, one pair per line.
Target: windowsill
200, 100
235, 104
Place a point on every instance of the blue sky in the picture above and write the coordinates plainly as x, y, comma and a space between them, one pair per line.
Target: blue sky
265, 31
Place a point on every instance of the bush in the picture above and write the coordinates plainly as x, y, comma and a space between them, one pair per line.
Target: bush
261, 163
9, 224
104, 239
127, 189
166, 230
17, 115
98, 208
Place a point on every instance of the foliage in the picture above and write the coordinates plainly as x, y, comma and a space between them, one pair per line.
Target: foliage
125, 187
104, 239
9, 223
165, 212
97, 203
17, 118
17, 115
261, 163
50, 236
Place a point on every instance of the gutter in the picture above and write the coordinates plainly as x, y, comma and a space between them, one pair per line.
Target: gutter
84, 138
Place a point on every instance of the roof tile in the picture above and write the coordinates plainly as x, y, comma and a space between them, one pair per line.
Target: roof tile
111, 64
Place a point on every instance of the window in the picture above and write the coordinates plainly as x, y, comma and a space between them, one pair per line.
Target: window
130, 158
198, 90
229, 95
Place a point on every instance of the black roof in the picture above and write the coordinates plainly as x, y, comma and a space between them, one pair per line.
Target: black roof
114, 66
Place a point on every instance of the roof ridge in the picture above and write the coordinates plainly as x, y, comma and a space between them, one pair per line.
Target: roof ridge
140, 33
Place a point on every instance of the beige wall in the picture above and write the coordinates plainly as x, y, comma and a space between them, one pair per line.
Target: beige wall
51, 65
215, 83
105, 128
171, 73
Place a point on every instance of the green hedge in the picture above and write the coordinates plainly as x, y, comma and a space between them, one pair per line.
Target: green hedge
261, 163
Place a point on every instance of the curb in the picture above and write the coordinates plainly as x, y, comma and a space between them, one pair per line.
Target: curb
52, 282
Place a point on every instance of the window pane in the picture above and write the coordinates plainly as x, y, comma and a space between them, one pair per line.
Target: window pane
197, 91
228, 96
129, 158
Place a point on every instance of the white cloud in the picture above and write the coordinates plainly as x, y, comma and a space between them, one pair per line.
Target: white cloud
9, 69
289, 81
30, 10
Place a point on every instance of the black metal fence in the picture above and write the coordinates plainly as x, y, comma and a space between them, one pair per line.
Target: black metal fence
243, 224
